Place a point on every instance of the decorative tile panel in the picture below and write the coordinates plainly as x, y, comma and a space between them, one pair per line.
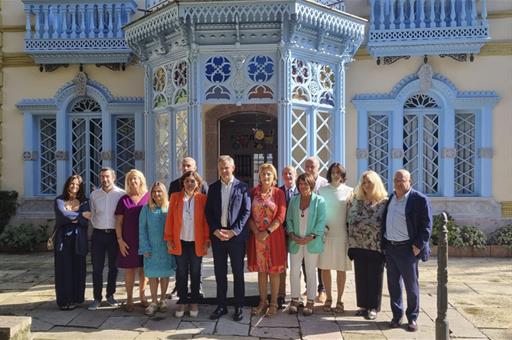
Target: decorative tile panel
312, 82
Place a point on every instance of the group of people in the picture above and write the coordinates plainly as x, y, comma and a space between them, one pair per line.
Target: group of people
320, 223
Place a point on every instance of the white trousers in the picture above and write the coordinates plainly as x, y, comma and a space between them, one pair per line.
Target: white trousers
310, 262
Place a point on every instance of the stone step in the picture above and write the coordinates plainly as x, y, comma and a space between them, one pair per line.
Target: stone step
15, 327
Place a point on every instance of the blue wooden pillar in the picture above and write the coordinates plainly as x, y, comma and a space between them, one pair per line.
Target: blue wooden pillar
485, 152
30, 146
195, 119
284, 108
63, 136
338, 115
447, 146
149, 127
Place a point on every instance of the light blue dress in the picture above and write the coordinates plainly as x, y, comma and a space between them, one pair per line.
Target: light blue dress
151, 240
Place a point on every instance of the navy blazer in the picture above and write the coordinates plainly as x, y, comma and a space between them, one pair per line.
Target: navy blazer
239, 209
418, 216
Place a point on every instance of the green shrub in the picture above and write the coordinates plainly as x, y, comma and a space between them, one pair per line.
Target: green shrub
472, 236
501, 236
454, 238
23, 237
8, 205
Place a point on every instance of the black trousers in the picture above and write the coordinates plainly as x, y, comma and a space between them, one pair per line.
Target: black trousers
103, 243
188, 263
70, 270
236, 252
369, 272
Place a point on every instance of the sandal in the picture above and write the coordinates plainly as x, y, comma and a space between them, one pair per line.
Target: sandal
327, 305
272, 309
293, 307
128, 307
308, 309
340, 308
144, 303
260, 309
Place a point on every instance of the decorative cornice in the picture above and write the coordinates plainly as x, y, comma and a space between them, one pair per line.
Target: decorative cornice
498, 48
499, 14
12, 29
17, 59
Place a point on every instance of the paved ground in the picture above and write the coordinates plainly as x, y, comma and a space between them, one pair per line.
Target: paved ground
480, 307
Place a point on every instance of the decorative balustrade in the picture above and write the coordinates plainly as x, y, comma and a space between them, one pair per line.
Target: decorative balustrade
427, 27
73, 31
150, 4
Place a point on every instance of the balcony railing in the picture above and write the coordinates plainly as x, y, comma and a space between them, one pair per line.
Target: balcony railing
427, 27
73, 31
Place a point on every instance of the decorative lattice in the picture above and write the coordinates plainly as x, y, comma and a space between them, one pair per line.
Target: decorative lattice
181, 97
218, 92
180, 74
261, 92
323, 140
86, 105
430, 153
410, 146
217, 69
181, 136
47, 163
378, 141
162, 147
420, 101
465, 160
159, 87
124, 147
299, 138
86, 147
260, 68
312, 82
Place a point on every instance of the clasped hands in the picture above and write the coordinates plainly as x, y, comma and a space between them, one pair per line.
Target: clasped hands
301, 240
224, 234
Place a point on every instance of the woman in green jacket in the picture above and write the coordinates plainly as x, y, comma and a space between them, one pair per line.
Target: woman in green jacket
305, 224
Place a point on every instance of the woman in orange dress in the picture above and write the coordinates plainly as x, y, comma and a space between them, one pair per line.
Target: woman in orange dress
266, 252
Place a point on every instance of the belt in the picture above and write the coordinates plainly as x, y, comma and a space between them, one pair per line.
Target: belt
106, 231
398, 243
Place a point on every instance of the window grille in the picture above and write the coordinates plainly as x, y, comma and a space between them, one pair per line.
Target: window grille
124, 145
86, 105
47, 162
181, 137
465, 158
162, 147
323, 139
299, 139
378, 141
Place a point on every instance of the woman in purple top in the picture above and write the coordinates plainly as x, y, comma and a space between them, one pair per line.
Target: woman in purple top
127, 231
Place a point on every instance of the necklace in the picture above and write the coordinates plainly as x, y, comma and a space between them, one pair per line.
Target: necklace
304, 204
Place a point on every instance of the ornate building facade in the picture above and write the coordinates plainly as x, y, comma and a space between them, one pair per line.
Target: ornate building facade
377, 84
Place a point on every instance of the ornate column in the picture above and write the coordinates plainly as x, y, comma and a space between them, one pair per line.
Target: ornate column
149, 127
338, 138
284, 107
195, 119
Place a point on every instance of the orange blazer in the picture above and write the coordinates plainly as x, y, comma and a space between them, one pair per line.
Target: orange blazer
174, 224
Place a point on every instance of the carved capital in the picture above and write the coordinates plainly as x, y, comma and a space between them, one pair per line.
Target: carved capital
362, 153
29, 155
397, 153
448, 152
61, 155
106, 155
485, 152
139, 155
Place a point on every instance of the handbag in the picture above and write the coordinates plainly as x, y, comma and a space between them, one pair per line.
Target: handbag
49, 243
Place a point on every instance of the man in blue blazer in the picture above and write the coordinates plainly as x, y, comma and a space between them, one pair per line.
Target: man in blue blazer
228, 208
407, 226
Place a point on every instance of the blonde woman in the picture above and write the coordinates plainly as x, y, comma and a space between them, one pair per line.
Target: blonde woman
365, 216
266, 250
127, 232
158, 263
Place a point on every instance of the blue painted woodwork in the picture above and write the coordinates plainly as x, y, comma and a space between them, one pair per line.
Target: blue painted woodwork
426, 27
73, 31
381, 122
243, 52
49, 138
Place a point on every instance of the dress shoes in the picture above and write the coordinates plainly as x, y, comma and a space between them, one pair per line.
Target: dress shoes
218, 312
371, 315
238, 316
395, 323
412, 326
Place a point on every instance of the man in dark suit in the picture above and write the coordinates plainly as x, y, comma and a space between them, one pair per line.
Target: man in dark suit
228, 208
289, 189
407, 226
187, 164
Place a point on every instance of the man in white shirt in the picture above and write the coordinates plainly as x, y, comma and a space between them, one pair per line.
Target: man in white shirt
103, 205
312, 167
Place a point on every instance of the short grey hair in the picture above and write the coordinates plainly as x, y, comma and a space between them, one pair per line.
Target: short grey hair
313, 159
226, 158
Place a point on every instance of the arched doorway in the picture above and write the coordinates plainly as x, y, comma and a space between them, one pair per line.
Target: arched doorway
251, 139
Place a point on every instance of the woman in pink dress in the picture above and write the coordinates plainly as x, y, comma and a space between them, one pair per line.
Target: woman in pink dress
127, 232
266, 251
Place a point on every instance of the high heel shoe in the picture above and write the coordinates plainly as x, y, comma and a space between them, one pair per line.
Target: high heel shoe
272, 310
260, 309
